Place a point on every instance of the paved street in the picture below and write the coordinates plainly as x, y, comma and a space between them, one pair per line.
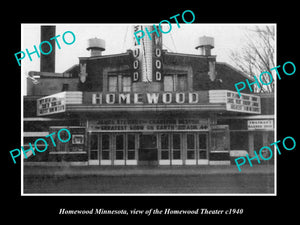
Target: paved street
188, 180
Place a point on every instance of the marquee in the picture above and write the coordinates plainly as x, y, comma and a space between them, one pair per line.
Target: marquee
200, 100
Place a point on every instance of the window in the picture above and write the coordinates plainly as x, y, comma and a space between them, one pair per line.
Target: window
126, 84
191, 153
65, 87
119, 147
105, 153
202, 146
94, 146
165, 147
168, 83
176, 146
181, 83
77, 139
190, 141
119, 83
94, 141
176, 82
112, 83
130, 146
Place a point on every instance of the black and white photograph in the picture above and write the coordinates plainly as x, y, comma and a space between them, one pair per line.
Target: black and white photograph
149, 111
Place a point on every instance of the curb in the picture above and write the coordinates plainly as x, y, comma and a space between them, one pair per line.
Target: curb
79, 171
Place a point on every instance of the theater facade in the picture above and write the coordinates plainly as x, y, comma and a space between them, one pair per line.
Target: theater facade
146, 106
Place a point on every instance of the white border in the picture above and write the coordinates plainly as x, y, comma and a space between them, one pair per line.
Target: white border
156, 194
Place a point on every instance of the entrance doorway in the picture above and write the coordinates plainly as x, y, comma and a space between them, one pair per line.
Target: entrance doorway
148, 150
113, 148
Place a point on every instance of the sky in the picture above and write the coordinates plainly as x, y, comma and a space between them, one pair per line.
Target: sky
119, 38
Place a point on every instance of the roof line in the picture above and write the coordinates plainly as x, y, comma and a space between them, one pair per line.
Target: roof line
190, 55
236, 70
105, 56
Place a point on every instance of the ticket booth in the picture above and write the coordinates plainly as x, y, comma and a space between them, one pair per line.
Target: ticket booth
219, 145
72, 151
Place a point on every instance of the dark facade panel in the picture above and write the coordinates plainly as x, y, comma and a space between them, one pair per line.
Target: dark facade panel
30, 107
267, 104
228, 77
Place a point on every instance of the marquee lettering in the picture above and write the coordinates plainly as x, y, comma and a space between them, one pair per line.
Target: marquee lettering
145, 98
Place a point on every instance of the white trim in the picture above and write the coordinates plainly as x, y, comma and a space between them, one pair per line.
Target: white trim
238, 153
104, 56
59, 153
190, 162
93, 162
105, 162
248, 117
221, 162
203, 161
131, 162
224, 151
177, 162
41, 119
119, 162
188, 55
147, 131
57, 127
143, 108
164, 162
85, 163
35, 134
70, 163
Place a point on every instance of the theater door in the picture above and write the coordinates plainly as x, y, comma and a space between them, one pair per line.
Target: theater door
113, 148
148, 150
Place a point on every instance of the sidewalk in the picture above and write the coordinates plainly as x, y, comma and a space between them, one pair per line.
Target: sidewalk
144, 170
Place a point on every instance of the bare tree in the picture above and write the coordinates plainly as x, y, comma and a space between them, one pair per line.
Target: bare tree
257, 55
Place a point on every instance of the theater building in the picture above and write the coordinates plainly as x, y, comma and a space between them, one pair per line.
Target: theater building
146, 106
